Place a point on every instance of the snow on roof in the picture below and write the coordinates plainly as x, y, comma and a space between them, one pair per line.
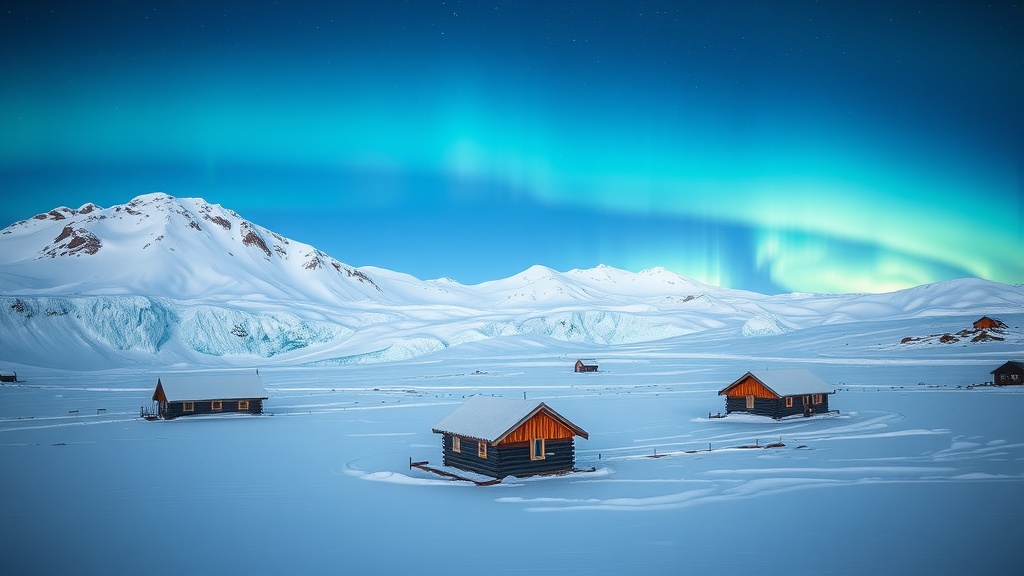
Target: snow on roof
491, 419
795, 382
588, 361
183, 387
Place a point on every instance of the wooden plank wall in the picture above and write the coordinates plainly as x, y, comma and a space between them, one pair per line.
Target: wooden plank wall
749, 386
540, 426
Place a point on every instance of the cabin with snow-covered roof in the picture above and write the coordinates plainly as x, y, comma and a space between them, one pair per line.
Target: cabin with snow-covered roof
777, 393
585, 365
8, 376
1011, 372
501, 437
194, 394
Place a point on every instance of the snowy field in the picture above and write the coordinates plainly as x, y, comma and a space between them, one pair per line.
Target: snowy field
916, 473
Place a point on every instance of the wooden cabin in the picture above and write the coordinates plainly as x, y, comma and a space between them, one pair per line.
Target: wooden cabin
986, 323
8, 376
501, 437
194, 394
777, 393
585, 365
1010, 373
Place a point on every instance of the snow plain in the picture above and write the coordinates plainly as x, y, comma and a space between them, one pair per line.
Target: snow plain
916, 473
919, 471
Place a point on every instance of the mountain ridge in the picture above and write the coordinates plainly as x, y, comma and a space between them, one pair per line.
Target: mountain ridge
191, 282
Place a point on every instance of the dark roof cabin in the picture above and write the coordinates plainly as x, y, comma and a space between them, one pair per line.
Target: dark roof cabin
7, 376
986, 323
1010, 373
501, 437
191, 394
777, 393
585, 365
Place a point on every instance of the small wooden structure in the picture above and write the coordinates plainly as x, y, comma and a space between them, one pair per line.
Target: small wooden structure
501, 437
8, 376
585, 365
986, 323
1011, 372
777, 393
193, 394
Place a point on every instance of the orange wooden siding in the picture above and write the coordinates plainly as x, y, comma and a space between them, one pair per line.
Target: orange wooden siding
749, 386
539, 426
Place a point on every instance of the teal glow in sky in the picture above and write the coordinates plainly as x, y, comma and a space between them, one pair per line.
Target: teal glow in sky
796, 146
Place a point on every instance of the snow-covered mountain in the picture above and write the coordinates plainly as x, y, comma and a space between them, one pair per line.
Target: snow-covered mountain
175, 248
180, 281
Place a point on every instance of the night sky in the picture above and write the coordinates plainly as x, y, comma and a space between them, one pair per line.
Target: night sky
772, 146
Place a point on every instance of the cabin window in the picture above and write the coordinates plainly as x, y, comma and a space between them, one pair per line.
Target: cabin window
216, 405
807, 400
750, 402
817, 398
537, 449
243, 404
481, 449
188, 406
456, 444
789, 401
1014, 377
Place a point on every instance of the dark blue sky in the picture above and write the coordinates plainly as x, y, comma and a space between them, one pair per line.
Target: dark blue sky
773, 146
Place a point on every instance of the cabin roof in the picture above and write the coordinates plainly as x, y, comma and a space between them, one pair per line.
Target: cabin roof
588, 361
186, 387
1018, 364
8, 373
491, 419
796, 382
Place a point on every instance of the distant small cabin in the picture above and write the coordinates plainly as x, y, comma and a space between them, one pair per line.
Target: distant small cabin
777, 393
193, 394
501, 437
1010, 373
7, 376
585, 365
986, 323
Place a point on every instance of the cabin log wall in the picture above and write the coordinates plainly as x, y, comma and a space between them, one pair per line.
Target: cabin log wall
511, 459
775, 407
1008, 374
467, 459
560, 456
171, 410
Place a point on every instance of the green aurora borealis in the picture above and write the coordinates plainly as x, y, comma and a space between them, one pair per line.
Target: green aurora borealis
767, 146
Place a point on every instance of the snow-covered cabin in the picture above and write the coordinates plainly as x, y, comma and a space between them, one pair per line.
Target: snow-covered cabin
501, 437
8, 376
191, 394
777, 393
1011, 372
585, 365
